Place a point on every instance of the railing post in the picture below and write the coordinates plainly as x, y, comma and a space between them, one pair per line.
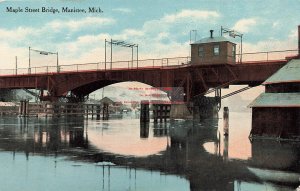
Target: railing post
153, 62
77, 67
267, 56
167, 62
47, 69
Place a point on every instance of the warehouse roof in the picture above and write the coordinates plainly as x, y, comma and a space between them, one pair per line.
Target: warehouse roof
288, 73
277, 100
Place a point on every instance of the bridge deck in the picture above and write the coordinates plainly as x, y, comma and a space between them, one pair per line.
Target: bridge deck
171, 72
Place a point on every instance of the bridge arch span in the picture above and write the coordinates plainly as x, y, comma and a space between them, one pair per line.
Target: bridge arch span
83, 84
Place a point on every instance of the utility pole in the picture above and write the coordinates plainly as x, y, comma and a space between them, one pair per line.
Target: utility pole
233, 34
111, 53
105, 56
29, 68
16, 65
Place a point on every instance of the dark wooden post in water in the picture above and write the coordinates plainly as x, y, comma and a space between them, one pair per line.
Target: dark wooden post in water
98, 112
24, 110
226, 121
144, 117
86, 111
27, 111
92, 111
56, 110
21, 109
225, 148
105, 114
144, 129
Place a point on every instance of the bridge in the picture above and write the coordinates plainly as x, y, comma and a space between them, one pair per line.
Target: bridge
196, 79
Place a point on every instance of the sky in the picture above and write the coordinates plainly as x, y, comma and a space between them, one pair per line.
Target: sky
161, 28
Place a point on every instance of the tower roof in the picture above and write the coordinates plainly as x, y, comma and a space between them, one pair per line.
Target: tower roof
213, 39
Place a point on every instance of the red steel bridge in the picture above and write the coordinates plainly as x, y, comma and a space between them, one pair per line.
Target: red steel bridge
196, 79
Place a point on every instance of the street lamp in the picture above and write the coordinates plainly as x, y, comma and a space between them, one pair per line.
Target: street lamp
122, 44
195, 32
43, 53
233, 34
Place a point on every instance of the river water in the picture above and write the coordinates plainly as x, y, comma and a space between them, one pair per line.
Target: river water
123, 154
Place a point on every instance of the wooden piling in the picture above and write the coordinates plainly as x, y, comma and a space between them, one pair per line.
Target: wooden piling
226, 121
92, 110
98, 110
144, 129
21, 109
105, 111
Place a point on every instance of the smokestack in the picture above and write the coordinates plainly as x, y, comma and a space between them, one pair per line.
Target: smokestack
299, 41
211, 33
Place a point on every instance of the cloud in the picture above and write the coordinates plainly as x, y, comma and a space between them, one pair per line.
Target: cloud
244, 25
293, 33
78, 24
129, 33
275, 24
122, 10
190, 14
155, 38
19, 33
289, 43
8, 54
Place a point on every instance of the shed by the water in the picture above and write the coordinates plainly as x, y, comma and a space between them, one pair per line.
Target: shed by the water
276, 113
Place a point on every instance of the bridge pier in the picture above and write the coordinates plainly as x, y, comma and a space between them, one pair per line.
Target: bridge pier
206, 107
201, 108
180, 111
144, 116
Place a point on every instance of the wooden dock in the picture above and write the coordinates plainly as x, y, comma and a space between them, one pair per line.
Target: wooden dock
58, 109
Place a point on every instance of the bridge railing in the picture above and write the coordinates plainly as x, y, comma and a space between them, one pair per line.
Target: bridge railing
146, 63
266, 56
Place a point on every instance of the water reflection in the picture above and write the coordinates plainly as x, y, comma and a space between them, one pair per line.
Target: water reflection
177, 147
56, 173
237, 145
126, 137
144, 130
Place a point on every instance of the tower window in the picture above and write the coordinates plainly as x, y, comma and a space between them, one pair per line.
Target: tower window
217, 50
201, 51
